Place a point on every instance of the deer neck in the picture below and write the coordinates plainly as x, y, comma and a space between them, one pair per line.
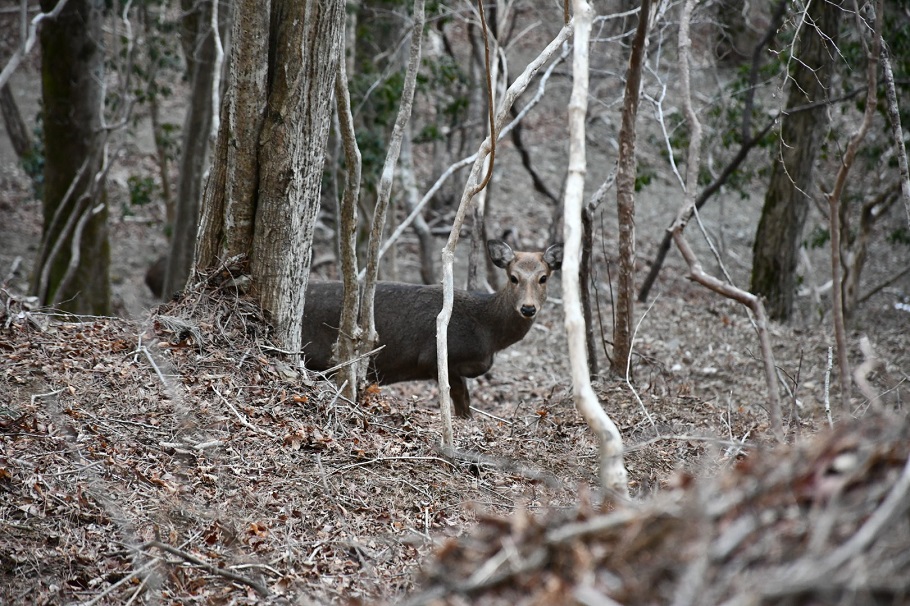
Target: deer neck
508, 326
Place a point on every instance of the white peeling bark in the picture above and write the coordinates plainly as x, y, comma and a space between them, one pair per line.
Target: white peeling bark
612, 471
448, 252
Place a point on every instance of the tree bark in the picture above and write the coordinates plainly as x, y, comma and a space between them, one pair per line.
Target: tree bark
777, 240
73, 262
612, 471
230, 198
263, 194
291, 154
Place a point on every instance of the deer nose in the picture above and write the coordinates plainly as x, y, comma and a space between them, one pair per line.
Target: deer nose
528, 311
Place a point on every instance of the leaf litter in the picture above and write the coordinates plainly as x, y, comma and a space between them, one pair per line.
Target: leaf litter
183, 460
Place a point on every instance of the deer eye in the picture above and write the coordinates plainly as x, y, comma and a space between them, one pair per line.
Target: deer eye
543, 279
514, 279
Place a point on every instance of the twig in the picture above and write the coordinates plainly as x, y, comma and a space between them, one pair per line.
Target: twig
241, 418
491, 416
629, 365
210, 568
579, 530
154, 364
349, 362
44, 395
386, 460
122, 581
686, 438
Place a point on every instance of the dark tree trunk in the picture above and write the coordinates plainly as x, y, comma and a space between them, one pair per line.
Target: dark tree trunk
625, 200
777, 240
72, 269
587, 256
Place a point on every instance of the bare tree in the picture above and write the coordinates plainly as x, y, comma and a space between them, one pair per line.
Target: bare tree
686, 211
448, 252
349, 333
749, 139
355, 341
835, 208
625, 198
612, 471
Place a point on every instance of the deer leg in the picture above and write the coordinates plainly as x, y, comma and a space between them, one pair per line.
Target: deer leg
458, 389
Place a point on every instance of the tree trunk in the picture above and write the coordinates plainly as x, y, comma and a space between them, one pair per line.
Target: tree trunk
612, 471
625, 200
291, 151
270, 151
196, 127
585, 278
73, 262
229, 198
777, 240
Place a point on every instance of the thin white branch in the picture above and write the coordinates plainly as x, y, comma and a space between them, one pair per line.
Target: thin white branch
451, 170
29, 43
448, 253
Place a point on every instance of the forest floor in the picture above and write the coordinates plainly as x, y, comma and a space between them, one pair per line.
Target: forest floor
169, 455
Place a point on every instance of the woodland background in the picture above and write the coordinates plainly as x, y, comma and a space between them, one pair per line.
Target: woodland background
169, 454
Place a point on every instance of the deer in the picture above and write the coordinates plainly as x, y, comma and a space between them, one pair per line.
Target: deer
481, 324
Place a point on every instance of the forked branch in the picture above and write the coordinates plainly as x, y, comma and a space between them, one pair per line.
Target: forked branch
696, 272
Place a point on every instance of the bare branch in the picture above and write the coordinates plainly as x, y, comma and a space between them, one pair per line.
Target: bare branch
28, 43
834, 201
696, 272
448, 253
349, 331
367, 320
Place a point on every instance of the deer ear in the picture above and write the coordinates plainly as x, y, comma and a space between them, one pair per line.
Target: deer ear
500, 253
553, 257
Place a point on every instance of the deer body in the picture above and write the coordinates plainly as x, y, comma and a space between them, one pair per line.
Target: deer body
481, 323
